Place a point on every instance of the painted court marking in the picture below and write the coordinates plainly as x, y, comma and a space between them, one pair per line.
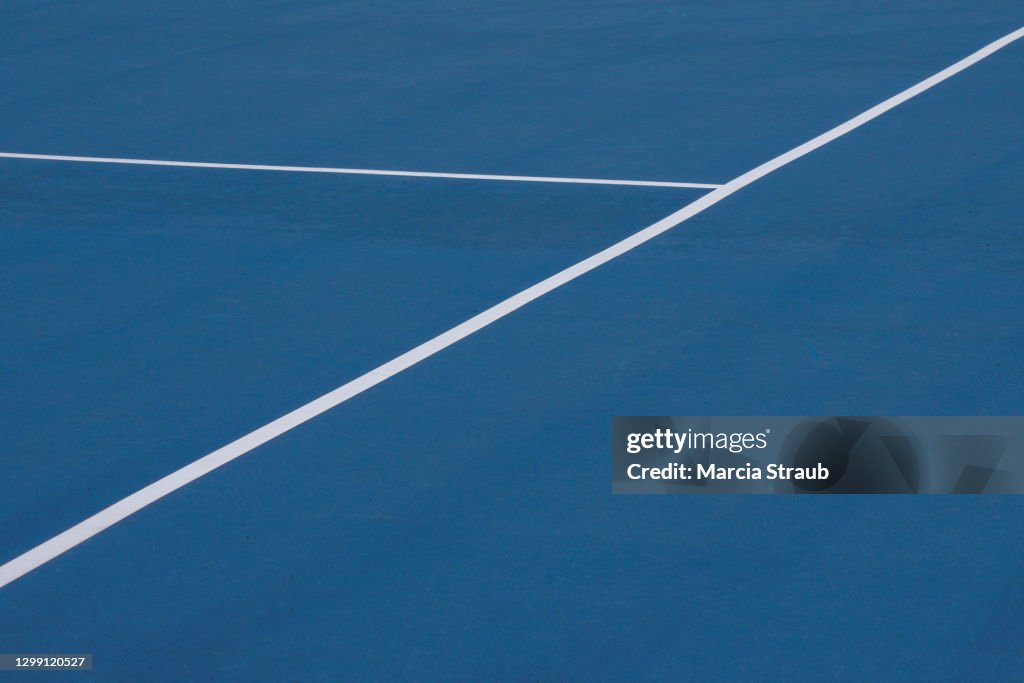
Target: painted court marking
106, 518
356, 171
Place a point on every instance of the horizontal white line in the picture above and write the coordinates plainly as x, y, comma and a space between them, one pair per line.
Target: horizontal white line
356, 171
106, 518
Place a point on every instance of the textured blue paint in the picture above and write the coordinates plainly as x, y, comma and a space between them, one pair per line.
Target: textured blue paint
455, 523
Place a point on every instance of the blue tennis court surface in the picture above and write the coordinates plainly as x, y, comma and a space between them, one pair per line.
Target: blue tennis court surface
455, 521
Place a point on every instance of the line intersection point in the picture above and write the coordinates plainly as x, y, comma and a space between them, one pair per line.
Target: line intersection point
81, 532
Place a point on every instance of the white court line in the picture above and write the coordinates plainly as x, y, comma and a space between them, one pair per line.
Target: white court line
356, 171
104, 519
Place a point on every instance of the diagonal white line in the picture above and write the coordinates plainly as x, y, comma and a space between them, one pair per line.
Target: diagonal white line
355, 171
81, 532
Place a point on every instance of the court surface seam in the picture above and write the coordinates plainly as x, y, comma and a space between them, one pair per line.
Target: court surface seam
81, 532
356, 171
